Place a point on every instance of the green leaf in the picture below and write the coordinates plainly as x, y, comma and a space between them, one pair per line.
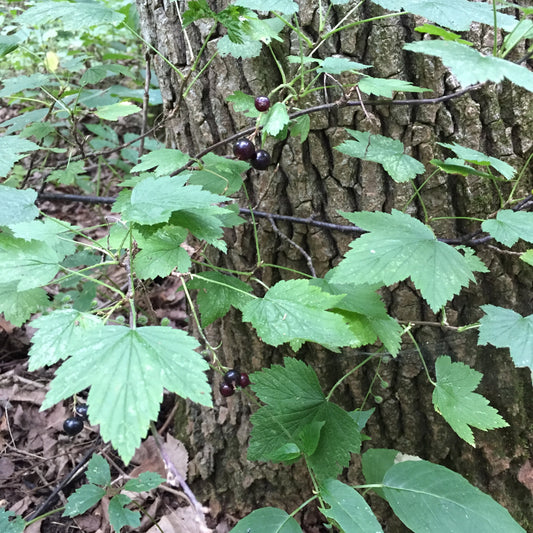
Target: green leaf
430, 498
276, 119
23, 83
246, 50
294, 401
17, 205
83, 499
120, 516
56, 334
278, 522
347, 508
145, 481
196, 10
430, 29
455, 14
504, 328
52, 231
509, 226
161, 253
527, 257
115, 111
338, 65
523, 30
68, 175
98, 472
18, 306
13, 148
301, 127
285, 7
479, 158
460, 407
127, 370
470, 67
385, 151
243, 103
385, 87
294, 311
74, 16
397, 247
164, 160
376, 462
364, 313
219, 175
11, 526
217, 293
458, 166
206, 223
31, 264
153, 200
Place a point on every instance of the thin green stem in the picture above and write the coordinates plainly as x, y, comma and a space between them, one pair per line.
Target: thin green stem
347, 375
495, 29
417, 347
279, 66
472, 219
295, 29
202, 70
417, 192
352, 25
131, 285
222, 284
45, 515
254, 226
79, 273
279, 267
220, 269
520, 176
155, 50
369, 392
196, 319
304, 504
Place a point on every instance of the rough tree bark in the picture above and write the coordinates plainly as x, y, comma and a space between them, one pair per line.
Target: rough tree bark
314, 180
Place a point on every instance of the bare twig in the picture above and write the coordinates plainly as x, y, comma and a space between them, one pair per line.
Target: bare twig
292, 243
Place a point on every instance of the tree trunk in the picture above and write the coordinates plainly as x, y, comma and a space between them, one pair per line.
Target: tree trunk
311, 179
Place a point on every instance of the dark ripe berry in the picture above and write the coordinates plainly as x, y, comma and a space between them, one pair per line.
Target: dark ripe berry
262, 103
244, 149
81, 410
244, 380
231, 377
73, 425
261, 160
226, 389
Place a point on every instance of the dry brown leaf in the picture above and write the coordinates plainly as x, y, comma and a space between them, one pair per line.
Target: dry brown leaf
182, 520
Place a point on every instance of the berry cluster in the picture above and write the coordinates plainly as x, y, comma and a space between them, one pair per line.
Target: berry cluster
244, 149
74, 424
233, 378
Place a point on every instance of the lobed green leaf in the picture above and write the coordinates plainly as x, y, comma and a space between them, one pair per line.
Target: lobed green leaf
460, 407
385, 151
504, 328
397, 247
509, 226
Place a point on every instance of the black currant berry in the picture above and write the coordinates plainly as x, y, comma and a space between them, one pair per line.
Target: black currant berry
262, 103
261, 160
73, 425
226, 389
232, 377
81, 410
244, 380
244, 149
